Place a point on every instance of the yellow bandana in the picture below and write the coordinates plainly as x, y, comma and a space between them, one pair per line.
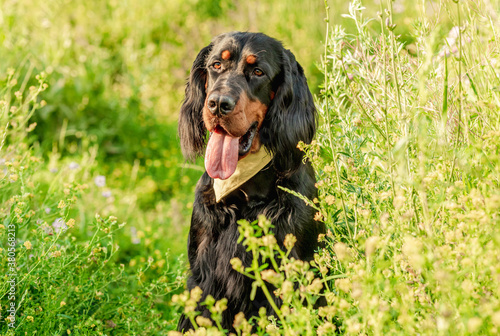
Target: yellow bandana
246, 168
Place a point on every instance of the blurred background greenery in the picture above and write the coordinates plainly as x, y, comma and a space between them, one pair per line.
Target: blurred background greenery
116, 72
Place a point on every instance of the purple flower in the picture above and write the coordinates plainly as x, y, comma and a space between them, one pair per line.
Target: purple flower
48, 210
59, 225
100, 181
53, 170
106, 193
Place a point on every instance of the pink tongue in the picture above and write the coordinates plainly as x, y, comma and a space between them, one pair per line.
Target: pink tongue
221, 156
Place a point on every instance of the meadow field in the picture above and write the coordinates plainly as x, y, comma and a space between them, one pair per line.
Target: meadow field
95, 196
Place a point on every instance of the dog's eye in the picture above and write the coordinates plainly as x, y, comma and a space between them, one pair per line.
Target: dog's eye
258, 72
216, 65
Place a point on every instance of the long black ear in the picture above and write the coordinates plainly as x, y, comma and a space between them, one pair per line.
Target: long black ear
290, 118
191, 127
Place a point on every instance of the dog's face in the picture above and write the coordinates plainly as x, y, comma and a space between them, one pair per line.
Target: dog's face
240, 74
245, 89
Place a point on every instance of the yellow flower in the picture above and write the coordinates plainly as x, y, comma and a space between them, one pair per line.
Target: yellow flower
62, 304
203, 322
237, 264
318, 217
174, 333
70, 222
271, 277
30, 318
290, 241
28, 245
330, 199
268, 240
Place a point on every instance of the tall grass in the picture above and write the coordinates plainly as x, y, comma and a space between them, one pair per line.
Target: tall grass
407, 159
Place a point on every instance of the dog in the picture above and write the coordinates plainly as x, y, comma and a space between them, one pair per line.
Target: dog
247, 106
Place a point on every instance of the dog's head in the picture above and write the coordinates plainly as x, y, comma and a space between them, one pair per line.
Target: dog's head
247, 91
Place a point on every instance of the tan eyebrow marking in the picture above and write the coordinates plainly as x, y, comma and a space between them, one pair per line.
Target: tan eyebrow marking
225, 55
251, 59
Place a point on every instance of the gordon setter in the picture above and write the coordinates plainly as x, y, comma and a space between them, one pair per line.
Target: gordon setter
251, 95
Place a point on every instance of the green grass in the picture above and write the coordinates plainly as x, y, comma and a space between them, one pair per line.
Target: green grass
407, 160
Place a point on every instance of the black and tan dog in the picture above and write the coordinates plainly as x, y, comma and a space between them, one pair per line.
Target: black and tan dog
251, 95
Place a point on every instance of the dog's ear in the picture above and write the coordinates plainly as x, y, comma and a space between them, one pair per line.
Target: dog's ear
191, 127
291, 117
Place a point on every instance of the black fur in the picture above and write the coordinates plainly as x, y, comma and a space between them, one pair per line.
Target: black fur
213, 235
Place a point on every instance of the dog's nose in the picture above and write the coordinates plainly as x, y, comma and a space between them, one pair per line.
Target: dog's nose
219, 104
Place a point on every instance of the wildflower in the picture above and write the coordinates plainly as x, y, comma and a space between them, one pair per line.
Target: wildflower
412, 249
330, 199
268, 240
174, 333
315, 287
53, 170
271, 276
73, 165
239, 319
399, 201
62, 303
100, 181
220, 306
326, 329
371, 245
237, 264
59, 225
28, 245
287, 288
474, 324
289, 241
56, 254
272, 329
342, 251
30, 318
318, 217
106, 194
70, 223
48, 210
495, 318
203, 321
196, 293
343, 284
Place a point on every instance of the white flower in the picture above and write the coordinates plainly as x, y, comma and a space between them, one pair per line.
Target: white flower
73, 165
100, 181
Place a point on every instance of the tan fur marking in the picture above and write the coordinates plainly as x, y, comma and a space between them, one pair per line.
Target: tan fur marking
226, 55
251, 59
